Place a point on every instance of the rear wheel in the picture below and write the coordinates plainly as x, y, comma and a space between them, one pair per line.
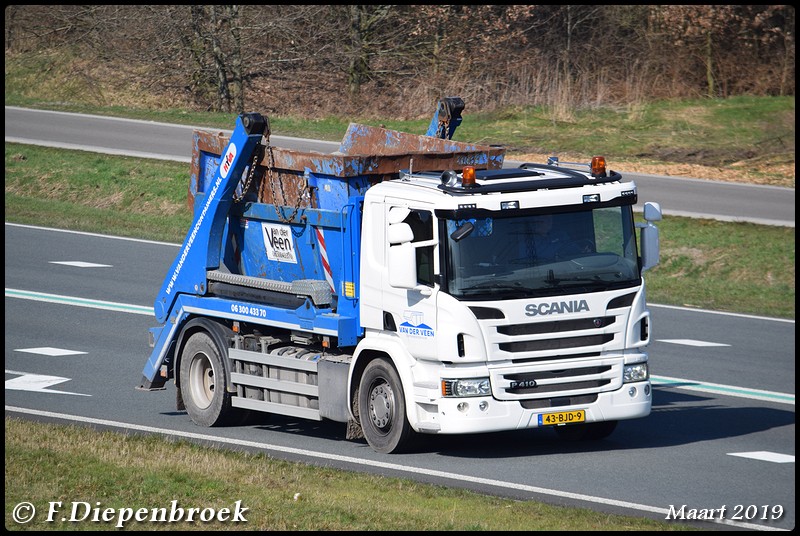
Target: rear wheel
382, 408
590, 431
203, 381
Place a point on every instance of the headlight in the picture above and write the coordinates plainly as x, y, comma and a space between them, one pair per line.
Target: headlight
467, 387
635, 373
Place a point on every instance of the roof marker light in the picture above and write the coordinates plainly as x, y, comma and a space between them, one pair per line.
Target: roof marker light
468, 177
598, 166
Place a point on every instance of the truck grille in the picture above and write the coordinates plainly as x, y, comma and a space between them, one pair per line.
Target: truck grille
556, 344
555, 361
532, 382
537, 381
556, 326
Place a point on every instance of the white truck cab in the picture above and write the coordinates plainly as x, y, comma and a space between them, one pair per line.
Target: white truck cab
512, 299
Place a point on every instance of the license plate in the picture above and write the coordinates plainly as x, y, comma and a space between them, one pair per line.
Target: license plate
562, 417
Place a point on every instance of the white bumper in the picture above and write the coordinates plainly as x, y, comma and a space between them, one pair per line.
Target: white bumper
486, 414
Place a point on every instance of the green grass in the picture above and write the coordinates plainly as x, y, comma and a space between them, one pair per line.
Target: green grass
736, 267
92, 192
67, 463
742, 136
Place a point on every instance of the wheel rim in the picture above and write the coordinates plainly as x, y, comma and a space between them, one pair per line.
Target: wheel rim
201, 381
381, 406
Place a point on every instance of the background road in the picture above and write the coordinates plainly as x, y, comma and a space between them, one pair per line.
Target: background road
726, 201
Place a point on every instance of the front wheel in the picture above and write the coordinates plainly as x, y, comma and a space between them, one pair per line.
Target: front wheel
382, 408
203, 381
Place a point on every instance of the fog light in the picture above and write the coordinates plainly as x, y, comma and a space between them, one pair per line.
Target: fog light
483, 405
632, 392
647, 390
462, 407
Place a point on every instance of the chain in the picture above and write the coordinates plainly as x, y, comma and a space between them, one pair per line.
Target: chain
302, 189
250, 175
270, 176
445, 124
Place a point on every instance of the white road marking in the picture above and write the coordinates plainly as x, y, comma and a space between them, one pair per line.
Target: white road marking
48, 350
704, 311
691, 342
765, 455
80, 302
730, 390
375, 463
38, 383
82, 264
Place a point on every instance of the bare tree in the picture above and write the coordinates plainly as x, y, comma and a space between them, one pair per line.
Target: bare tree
315, 60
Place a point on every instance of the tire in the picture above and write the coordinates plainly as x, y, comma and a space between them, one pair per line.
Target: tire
203, 382
591, 431
382, 409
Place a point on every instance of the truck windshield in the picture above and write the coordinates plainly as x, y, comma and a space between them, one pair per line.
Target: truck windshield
517, 256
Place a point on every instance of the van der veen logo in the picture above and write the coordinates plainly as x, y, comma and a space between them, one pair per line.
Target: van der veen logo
414, 325
556, 308
279, 243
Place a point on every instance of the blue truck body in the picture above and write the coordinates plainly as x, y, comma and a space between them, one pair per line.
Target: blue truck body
309, 283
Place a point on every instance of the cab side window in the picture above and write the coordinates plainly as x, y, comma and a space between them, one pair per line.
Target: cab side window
421, 223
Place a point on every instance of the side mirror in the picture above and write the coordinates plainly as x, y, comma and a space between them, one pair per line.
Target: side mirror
400, 233
649, 239
652, 212
462, 232
402, 266
403, 259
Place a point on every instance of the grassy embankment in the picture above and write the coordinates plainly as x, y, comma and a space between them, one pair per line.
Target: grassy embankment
47, 463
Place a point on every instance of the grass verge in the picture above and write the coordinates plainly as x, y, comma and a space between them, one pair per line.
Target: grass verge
72, 464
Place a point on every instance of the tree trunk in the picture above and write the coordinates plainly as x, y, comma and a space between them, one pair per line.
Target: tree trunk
709, 69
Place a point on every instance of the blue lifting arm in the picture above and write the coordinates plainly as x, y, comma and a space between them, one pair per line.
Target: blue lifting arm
201, 247
446, 118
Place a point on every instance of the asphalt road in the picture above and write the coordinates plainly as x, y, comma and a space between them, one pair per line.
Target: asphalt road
722, 432
726, 201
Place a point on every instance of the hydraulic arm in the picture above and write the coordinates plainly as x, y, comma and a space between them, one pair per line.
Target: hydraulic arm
200, 251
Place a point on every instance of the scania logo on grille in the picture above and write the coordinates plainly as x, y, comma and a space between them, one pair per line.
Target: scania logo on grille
523, 384
556, 308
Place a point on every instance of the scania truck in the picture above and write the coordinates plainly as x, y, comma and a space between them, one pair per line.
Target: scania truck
406, 285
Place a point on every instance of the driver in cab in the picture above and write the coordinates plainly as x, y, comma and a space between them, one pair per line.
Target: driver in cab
546, 242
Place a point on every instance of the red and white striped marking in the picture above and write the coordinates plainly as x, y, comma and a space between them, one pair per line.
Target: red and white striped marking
323, 250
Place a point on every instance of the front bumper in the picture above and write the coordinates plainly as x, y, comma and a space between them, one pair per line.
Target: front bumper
487, 414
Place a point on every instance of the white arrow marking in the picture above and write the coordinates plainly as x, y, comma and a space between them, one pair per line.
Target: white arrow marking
765, 456
691, 342
81, 264
49, 350
37, 383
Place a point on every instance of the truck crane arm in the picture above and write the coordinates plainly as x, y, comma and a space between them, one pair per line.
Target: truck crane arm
200, 251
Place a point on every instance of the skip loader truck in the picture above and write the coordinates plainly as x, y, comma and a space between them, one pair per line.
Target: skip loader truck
406, 285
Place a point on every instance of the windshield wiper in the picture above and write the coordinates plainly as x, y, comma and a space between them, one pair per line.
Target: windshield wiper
551, 279
497, 285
